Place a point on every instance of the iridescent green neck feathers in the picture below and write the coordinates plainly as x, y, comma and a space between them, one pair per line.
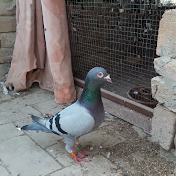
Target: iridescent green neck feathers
91, 94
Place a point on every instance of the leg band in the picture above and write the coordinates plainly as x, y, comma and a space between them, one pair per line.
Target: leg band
72, 154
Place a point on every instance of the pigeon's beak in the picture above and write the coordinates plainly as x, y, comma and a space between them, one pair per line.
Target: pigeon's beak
108, 78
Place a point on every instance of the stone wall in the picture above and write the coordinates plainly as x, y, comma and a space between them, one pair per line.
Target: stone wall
164, 86
7, 34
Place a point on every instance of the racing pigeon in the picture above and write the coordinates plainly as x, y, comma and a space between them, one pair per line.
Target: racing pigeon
80, 118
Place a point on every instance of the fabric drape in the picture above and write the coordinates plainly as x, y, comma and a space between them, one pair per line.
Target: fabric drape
41, 51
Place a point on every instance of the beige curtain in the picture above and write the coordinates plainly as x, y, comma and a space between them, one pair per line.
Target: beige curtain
41, 52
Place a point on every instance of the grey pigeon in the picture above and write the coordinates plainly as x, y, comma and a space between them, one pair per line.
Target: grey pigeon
80, 118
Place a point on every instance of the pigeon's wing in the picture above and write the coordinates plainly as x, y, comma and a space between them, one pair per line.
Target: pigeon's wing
74, 120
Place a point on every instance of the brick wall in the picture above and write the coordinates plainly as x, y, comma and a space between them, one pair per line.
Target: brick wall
7, 34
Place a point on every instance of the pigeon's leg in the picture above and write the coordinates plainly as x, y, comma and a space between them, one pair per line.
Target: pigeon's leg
79, 149
69, 140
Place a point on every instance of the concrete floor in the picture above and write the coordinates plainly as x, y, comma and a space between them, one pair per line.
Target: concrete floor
34, 153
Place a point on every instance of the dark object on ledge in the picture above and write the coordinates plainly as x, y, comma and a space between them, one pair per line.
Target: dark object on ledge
142, 95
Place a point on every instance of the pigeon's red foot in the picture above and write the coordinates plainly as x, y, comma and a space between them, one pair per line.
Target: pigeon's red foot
81, 150
77, 159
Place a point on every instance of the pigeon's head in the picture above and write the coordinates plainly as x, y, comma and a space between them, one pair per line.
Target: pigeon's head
98, 76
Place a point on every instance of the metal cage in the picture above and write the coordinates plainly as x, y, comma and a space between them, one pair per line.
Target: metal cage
120, 36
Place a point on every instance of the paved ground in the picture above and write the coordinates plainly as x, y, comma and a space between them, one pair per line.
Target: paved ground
118, 148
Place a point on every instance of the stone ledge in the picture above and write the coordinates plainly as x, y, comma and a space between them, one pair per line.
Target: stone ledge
164, 127
166, 44
164, 91
165, 66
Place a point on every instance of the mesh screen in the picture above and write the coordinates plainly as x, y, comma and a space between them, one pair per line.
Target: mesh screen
120, 36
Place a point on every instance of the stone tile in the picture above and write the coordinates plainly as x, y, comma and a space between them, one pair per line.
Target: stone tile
25, 158
69, 171
60, 154
17, 114
41, 138
48, 107
9, 131
37, 96
3, 97
99, 166
44, 139
101, 137
12, 104
3, 70
3, 171
35, 88
25, 99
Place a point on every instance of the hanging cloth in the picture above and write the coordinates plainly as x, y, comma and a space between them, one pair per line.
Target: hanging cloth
42, 51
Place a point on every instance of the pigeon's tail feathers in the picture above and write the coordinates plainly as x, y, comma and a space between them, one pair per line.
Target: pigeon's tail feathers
36, 126
38, 120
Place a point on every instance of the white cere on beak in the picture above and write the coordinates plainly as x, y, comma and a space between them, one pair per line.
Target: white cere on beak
108, 78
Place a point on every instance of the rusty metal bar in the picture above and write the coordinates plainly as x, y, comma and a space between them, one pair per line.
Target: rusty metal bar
121, 100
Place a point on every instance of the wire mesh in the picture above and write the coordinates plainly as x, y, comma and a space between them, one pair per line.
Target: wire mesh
120, 36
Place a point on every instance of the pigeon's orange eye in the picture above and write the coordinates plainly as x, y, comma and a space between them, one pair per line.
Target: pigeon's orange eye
100, 75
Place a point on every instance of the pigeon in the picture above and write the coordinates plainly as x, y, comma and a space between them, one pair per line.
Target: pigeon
80, 118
